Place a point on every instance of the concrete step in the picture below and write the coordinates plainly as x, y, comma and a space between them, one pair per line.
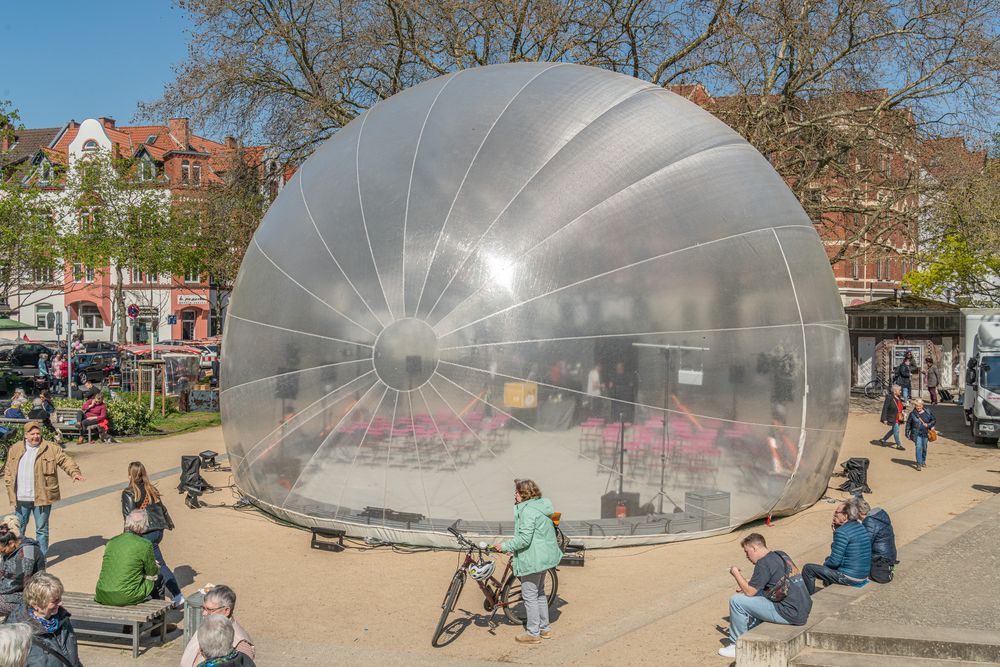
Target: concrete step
885, 639
817, 658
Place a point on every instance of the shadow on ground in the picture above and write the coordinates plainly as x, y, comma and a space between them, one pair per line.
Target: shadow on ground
66, 549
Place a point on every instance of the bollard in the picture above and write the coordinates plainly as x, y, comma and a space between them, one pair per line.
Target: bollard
192, 614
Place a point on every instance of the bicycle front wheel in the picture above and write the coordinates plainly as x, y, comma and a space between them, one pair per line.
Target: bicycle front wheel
513, 605
873, 389
448, 606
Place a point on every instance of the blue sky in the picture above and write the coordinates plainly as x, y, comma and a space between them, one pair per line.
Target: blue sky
66, 60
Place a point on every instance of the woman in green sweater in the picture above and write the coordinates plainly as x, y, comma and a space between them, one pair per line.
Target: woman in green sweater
535, 550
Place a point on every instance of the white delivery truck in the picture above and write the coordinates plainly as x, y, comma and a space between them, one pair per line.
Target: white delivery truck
981, 335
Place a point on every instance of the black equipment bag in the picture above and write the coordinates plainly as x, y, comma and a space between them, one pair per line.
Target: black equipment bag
856, 470
191, 479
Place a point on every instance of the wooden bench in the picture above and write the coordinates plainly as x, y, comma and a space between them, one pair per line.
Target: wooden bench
142, 617
68, 424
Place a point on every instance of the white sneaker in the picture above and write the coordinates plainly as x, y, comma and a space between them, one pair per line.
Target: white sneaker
728, 651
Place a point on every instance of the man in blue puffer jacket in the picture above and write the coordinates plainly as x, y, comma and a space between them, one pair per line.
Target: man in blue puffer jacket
850, 559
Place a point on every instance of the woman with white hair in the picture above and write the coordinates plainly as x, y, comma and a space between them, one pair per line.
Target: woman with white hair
53, 642
21, 559
129, 573
219, 600
15, 643
215, 636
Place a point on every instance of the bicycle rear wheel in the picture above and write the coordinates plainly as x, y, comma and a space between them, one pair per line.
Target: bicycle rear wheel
448, 606
513, 605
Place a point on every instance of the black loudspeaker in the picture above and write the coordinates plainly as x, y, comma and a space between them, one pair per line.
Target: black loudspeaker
856, 470
611, 500
191, 479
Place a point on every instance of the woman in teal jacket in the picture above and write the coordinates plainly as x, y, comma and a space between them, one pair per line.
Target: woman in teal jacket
535, 550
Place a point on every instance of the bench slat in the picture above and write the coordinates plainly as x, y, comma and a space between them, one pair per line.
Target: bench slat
84, 607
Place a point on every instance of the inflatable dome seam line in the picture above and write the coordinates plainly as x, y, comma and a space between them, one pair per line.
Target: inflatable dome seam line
468, 170
308, 291
530, 179
361, 206
296, 331
305, 203
604, 274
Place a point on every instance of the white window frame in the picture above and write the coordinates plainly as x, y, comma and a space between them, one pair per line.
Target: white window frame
41, 312
90, 317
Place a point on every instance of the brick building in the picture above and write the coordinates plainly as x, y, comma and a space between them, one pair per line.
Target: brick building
867, 215
176, 164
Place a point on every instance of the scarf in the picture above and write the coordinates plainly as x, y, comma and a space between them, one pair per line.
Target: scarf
50, 625
212, 662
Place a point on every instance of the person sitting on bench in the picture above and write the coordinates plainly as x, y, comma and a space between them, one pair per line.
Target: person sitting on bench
53, 639
219, 601
95, 413
129, 573
22, 559
216, 639
850, 559
14, 412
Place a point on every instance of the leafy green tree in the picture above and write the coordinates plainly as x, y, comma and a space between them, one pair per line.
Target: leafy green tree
30, 247
123, 223
960, 255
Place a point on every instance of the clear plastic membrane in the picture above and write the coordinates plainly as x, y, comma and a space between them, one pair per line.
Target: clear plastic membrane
535, 270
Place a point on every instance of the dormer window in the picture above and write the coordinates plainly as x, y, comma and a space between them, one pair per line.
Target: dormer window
45, 171
147, 170
90, 145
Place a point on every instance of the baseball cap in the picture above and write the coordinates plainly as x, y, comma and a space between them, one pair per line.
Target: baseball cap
32, 424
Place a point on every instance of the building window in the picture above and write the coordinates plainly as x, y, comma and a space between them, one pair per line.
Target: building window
43, 276
77, 272
192, 276
42, 311
90, 274
854, 269
147, 170
185, 172
137, 276
878, 269
90, 145
90, 317
196, 174
46, 171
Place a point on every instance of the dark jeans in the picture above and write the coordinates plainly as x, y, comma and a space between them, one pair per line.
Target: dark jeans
103, 433
169, 580
934, 395
829, 576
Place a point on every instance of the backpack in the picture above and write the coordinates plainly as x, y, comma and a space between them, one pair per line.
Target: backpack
882, 570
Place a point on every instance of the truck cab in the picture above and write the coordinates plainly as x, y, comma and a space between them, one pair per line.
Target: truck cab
982, 380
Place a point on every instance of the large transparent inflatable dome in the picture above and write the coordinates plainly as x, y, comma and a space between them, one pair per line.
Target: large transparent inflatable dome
540, 271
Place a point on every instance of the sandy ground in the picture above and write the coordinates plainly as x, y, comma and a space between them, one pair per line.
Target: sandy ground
644, 605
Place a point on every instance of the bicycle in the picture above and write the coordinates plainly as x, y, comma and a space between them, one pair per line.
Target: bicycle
503, 593
876, 387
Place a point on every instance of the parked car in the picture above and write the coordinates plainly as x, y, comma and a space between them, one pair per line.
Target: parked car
91, 346
95, 367
25, 355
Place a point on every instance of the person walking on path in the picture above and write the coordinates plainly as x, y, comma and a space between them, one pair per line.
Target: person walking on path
903, 375
850, 559
892, 416
917, 424
140, 494
933, 379
32, 481
53, 642
763, 599
536, 551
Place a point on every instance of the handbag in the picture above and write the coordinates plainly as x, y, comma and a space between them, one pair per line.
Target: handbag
780, 590
932, 434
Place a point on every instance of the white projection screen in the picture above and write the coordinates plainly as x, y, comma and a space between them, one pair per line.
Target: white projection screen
482, 277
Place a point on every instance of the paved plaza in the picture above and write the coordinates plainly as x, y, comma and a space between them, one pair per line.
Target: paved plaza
644, 605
